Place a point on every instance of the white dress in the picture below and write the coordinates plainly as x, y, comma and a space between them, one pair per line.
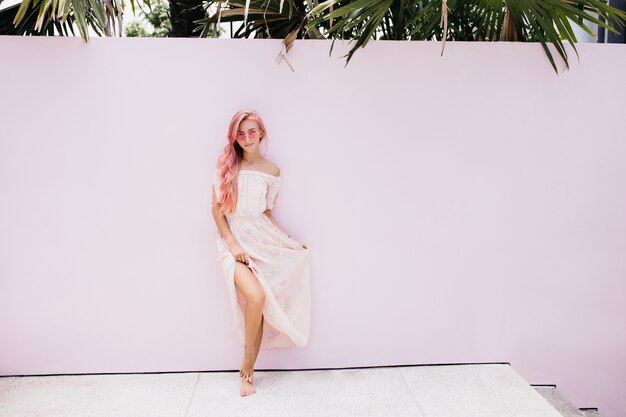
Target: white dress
280, 264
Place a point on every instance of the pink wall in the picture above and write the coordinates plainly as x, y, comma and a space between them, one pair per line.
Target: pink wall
463, 208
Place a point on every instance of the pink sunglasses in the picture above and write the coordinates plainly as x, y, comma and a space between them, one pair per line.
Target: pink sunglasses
253, 135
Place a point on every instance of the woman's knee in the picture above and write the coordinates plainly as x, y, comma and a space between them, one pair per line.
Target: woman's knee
256, 297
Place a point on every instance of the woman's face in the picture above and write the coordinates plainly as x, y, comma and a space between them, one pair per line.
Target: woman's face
249, 135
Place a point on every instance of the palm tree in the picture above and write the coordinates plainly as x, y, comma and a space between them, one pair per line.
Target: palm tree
58, 17
544, 21
183, 14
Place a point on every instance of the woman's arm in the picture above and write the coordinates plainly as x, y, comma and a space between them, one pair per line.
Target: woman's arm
221, 222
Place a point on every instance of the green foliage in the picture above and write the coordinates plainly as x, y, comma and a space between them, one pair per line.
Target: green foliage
548, 22
136, 29
544, 21
59, 17
157, 17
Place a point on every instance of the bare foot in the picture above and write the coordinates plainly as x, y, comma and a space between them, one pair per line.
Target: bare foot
246, 388
247, 364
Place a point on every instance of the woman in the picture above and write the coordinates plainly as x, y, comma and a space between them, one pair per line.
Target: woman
267, 272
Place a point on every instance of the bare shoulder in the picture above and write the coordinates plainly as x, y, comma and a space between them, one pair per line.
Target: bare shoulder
271, 168
275, 170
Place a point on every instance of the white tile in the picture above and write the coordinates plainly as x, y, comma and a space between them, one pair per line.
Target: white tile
506, 413
558, 400
429, 391
489, 390
131, 395
339, 392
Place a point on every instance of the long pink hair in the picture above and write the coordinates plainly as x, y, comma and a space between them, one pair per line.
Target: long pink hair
229, 162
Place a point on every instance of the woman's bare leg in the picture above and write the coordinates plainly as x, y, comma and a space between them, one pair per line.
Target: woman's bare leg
247, 283
257, 342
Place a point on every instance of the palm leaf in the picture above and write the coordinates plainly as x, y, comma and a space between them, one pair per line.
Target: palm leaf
544, 21
42, 17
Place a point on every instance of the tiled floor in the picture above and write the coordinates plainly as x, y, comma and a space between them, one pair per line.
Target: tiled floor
485, 390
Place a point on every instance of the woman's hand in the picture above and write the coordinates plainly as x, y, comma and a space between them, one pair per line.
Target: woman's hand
238, 253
